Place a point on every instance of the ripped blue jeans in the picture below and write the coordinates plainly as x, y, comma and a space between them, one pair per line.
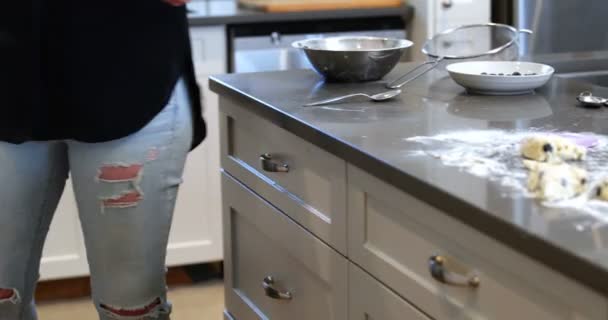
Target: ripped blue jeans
125, 191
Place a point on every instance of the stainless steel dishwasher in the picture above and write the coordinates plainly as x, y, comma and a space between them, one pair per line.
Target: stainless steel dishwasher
268, 47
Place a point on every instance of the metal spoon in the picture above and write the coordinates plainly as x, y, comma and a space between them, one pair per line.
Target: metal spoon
376, 97
589, 100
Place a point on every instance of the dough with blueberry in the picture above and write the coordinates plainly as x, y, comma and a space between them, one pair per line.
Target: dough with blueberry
601, 191
551, 149
554, 182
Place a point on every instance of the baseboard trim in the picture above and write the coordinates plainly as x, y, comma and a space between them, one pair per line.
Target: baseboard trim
76, 288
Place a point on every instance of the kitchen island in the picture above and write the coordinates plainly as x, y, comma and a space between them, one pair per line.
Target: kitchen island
330, 214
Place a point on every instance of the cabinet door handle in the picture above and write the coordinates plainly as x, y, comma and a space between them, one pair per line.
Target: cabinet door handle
275, 38
272, 292
447, 3
440, 273
270, 165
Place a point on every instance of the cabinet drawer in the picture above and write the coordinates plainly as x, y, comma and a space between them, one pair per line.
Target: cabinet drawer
308, 183
304, 278
368, 299
393, 236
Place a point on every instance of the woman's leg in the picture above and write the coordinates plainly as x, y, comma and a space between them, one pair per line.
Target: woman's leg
126, 191
33, 175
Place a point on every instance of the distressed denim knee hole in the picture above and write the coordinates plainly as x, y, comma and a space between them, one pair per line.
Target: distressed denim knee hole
152, 310
127, 199
9, 296
130, 173
120, 172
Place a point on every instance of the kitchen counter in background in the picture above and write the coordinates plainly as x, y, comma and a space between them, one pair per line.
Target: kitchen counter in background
227, 12
375, 141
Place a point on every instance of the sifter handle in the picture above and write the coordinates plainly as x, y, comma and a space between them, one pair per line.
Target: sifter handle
400, 82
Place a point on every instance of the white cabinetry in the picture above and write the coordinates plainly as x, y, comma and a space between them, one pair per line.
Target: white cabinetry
196, 235
433, 16
197, 228
64, 253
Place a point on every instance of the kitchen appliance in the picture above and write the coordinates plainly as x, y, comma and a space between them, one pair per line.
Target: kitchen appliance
488, 40
569, 35
268, 47
561, 26
353, 59
310, 5
500, 77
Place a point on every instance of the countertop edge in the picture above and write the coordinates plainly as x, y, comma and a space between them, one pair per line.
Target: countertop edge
406, 11
558, 259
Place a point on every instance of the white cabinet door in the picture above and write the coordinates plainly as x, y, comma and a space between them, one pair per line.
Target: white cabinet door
454, 13
196, 235
433, 16
64, 254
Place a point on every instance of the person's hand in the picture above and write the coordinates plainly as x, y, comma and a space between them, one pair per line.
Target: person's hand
177, 3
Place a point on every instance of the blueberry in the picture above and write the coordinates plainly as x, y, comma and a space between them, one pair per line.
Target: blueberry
547, 147
516, 73
598, 191
484, 73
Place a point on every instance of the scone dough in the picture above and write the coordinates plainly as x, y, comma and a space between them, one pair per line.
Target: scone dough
554, 182
551, 149
601, 191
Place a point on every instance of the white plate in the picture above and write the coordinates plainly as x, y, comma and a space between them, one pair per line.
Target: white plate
483, 77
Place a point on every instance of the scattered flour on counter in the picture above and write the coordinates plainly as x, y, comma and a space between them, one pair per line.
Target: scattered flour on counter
594, 207
495, 155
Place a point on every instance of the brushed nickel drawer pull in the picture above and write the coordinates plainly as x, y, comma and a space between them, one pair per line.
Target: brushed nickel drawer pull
440, 273
272, 292
271, 166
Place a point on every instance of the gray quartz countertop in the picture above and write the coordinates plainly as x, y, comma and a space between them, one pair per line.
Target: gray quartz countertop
224, 12
373, 136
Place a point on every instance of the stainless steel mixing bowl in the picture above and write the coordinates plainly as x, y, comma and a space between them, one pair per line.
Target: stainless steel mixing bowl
352, 59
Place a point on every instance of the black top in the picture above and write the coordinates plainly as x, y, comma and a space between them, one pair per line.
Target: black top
91, 71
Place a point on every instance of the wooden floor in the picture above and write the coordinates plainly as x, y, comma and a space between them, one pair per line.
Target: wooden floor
201, 301
196, 292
